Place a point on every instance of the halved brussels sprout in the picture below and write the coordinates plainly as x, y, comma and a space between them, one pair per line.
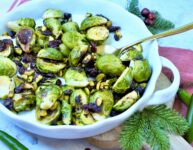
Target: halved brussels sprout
64, 50
77, 54
46, 96
6, 46
48, 116
21, 22
23, 101
78, 97
50, 53
141, 70
131, 54
110, 64
42, 40
72, 39
127, 101
76, 78
124, 81
53, 13
86, 118
106, 101
54, 26
7, 67
26, 38
6, 87
66, 113
70, 26
92, 21
97, 34
49, 67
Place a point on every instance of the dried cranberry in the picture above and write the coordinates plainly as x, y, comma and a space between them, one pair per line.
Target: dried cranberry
12, 34
8, 103
32, 65
145, 12
139, 90
18, 63
114, 28
59, 82
77, 99
28, 57
21, 70
2, 45
67, 16
19, 88
8, 42
93, 47
114, 113
47, 33
68, 92
117, 38
91, 71
24, 36
54, 43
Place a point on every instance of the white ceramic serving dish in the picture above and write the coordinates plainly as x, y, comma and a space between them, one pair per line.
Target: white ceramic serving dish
132, 29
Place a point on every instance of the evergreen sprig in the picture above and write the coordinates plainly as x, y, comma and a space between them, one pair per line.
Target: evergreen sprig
152, 126
160, 23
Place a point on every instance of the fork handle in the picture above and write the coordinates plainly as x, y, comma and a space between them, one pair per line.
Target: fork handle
161, 35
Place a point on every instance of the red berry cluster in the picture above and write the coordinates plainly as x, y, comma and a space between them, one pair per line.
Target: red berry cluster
149, 16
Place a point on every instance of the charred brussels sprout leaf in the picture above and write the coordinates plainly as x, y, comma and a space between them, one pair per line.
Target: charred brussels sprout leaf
124, 81
70, 26
106, 103
76, 78
110, 64
86, 118
7, 67
97, 34
53, 13
92, 21
77, 54
6, 87
78, 97
127, 101
46, 96
141, 70
53, 25
26, 38
50, 53
72, 39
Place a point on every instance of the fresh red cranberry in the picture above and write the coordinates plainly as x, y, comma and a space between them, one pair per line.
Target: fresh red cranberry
145, 12
149, 22
151, 16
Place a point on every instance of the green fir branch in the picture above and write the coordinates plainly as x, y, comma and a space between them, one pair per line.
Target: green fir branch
132, 7
152, 126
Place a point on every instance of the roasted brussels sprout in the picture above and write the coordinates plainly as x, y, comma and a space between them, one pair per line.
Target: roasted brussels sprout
131, 54
21, 22
50, 53
92, 21
70, 26
66, 112
49, 67
127, 101
6, 87
124, 81
78, 97
53, 13
7, 67
23, 101
72, 39
46, 96
26, 38
48, 116
77, 54
141, 70
103, 99
76, 78
42, 40
53, 25
110, 64
6, 46
86, 118
64, 50
97, 34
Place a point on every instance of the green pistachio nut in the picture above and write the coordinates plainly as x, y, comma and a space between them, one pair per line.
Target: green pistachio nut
66, 113
92, 21
124, 81
53, 13
46, 96
54, 26
77, 54
76, 77
70, 26
141, 70
26, 38
110, 64
78, 97
127, 101
6, 87
7, 67
72, 39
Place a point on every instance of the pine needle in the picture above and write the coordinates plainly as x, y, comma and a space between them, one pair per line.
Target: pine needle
132, 7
